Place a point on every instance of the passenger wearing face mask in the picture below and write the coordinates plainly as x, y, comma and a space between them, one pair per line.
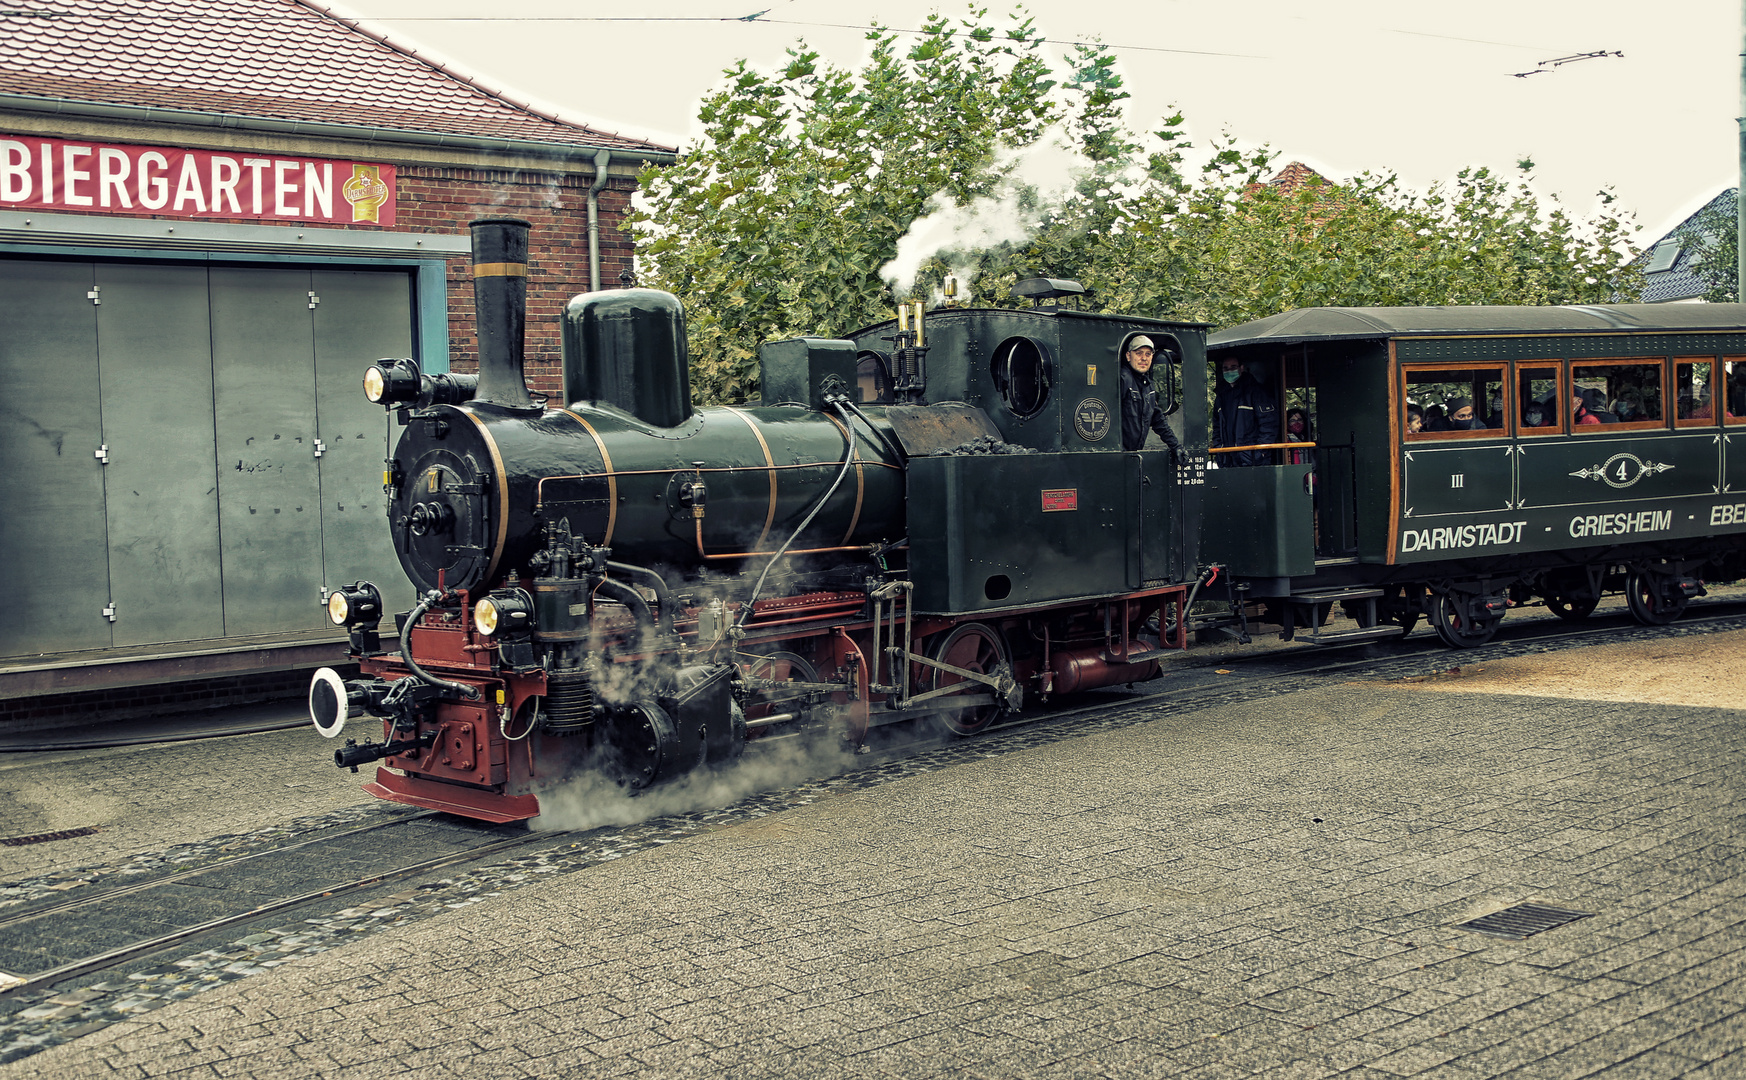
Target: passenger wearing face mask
1243, 415
1297, 429
1460, 413
1535, 415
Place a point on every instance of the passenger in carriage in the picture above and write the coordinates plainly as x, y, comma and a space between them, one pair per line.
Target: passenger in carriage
1629, 405
1494, 416
1461, 415
1244, 414
1415, 419
1596, 403
1297, 430
1579, 413
1435, 420
1537, 414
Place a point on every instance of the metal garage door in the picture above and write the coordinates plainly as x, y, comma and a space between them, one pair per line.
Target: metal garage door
243, 463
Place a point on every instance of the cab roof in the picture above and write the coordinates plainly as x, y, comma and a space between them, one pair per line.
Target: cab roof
1353, 323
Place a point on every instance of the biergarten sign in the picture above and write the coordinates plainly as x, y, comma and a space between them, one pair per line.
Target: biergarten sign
99, 178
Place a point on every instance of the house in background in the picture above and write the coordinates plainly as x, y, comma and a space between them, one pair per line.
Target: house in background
1671, 266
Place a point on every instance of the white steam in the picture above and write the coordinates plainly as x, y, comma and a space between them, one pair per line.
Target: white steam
1032, 180
591, 801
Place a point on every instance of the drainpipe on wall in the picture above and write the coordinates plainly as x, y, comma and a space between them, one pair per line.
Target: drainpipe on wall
601, 161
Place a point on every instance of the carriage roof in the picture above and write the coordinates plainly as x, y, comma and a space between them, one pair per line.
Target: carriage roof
1353, 323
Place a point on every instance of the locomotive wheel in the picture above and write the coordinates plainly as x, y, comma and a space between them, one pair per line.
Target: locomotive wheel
1648, 604
973, 647
777, 667
1457, 630
1571, 607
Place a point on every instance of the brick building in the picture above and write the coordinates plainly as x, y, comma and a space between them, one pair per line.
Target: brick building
213, 214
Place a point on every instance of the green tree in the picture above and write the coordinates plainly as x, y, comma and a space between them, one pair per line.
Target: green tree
1716, 237
778, 221
1228, 250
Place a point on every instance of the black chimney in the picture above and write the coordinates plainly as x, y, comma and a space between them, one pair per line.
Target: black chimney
500, 301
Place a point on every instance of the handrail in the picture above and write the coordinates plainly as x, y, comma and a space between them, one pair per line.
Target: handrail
1262, 446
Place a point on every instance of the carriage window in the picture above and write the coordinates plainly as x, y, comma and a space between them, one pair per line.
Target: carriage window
1694, 393
1022, 374
872, 378
1539, 405
1454, 402
1621, 392
1734, 385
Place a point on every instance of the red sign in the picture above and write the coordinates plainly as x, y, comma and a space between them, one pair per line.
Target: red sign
63, 174
1060, 499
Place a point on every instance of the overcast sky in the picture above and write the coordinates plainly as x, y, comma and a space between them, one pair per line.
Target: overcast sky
1422, 89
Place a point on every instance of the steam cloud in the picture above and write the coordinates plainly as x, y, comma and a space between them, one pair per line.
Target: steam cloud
589, 801
1032, 179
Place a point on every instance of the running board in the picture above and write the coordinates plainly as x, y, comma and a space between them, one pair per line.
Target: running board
1347, 637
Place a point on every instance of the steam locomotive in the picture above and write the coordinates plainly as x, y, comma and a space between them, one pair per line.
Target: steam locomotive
934, 520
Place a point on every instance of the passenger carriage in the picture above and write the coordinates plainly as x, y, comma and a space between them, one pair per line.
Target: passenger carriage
1533, 501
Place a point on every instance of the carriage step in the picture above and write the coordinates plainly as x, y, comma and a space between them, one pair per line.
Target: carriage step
1346, 637
1333, 594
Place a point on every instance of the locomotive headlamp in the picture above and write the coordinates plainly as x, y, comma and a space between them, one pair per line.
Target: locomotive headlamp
390, 382
506, 613
358, 604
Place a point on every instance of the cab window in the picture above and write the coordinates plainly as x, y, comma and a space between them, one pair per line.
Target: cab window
872, 378
1621, 393
1456, 403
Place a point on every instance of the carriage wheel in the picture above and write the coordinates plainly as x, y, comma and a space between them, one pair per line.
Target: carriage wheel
1648, 604
1457, 630
973, 647
1571, 607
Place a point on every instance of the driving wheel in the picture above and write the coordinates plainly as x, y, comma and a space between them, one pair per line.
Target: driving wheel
973, 647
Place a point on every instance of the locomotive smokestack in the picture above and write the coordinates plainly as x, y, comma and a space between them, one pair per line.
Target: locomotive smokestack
500, 303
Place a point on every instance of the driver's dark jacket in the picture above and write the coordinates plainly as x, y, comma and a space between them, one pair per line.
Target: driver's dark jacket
1141, 410
1244, 414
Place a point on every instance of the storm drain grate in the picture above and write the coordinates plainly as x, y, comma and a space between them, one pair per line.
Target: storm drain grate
1523, 920
45, 837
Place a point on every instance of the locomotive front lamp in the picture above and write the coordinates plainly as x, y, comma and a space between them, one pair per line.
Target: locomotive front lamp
390, 382
358, 604
507, 613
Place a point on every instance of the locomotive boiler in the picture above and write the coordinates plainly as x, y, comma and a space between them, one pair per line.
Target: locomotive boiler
925, 522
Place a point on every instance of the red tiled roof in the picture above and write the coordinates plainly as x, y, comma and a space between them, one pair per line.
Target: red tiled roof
286, 60
1295, 176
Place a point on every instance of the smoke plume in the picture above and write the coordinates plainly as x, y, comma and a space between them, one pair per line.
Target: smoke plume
1032, 180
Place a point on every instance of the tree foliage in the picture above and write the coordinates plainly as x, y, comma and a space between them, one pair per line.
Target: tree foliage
778, 221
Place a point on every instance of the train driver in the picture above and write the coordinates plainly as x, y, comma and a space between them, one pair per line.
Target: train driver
1140, 407
1244, 414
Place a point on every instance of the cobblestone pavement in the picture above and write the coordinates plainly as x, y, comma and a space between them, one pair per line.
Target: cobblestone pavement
143, 798
1264, 888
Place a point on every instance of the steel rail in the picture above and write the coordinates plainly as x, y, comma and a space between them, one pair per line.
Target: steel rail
128, 890
113, 957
